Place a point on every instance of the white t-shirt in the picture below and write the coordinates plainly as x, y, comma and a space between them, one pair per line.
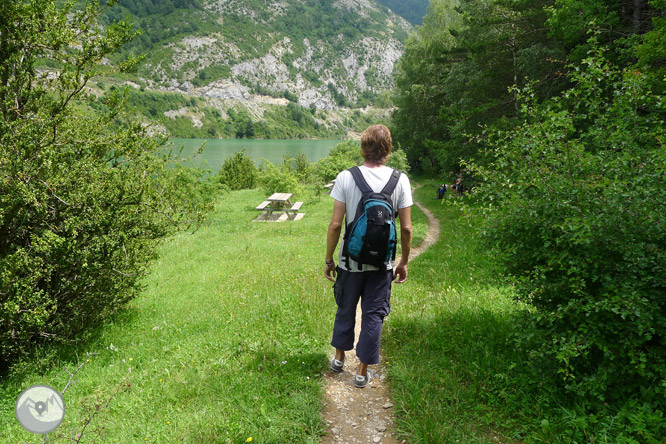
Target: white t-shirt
346, 191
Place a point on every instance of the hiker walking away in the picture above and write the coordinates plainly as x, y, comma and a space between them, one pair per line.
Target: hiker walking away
369, 198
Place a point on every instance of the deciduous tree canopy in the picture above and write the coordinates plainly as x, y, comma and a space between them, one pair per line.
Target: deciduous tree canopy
82, 202
561, 106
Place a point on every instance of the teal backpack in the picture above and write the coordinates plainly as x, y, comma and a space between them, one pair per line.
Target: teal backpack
371, 237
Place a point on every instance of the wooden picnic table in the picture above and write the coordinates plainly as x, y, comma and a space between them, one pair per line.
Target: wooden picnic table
279, 202
280, 199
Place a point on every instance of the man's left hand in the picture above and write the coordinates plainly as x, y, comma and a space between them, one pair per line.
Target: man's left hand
329, 272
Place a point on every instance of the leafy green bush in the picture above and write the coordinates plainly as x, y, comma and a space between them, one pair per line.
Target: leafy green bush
342, 156
243, 124
82, 206
274, 179
576, 213
300, 167
238, 172
398, 160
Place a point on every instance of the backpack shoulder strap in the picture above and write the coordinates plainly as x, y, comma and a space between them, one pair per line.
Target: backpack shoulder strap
391, 184
360, 181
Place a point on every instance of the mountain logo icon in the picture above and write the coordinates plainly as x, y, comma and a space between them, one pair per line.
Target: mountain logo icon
40, 409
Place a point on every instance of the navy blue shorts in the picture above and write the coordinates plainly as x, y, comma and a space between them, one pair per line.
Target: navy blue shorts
373, 288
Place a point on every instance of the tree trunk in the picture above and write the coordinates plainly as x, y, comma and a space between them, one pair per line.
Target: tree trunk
637, 19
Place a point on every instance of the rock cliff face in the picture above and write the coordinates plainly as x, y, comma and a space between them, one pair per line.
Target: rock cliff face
323, 54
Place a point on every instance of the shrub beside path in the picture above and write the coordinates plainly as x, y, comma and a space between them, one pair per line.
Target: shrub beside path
364, 416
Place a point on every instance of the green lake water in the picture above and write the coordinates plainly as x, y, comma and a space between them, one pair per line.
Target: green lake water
217, 150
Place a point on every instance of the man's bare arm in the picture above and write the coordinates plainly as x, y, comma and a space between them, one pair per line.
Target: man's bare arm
405, 216
333, 236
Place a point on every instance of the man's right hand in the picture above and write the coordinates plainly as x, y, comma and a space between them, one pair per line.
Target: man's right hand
400, 274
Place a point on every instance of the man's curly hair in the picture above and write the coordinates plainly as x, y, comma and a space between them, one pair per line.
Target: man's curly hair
376, 144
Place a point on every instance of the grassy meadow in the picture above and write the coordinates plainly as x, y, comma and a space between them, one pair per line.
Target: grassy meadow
227, 344
230, 338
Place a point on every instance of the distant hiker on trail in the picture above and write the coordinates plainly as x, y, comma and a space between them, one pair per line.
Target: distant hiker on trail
369, 198
441, 191
457, 188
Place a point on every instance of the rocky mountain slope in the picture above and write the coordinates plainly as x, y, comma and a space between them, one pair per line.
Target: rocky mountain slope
321, 54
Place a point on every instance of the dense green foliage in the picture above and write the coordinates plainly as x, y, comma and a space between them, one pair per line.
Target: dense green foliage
82, 205
279, 179
238, 172
348, 154
301, 167
344, 155
457, 70
619, 25
293, 122
565, 123
455, 369
576, 213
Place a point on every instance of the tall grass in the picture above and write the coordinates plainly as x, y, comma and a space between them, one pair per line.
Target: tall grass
228, 341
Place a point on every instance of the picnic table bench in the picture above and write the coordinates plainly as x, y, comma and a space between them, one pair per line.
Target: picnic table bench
263, 205
293, 210
279, 202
